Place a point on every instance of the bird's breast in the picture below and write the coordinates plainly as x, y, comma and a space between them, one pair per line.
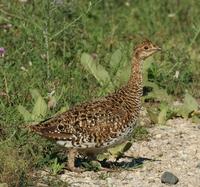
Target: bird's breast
87, 142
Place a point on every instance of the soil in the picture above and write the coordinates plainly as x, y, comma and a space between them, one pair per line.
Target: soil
174, 148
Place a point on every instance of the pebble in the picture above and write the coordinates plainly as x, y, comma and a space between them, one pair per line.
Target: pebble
39, 184
198, 165
158, 136
169, 178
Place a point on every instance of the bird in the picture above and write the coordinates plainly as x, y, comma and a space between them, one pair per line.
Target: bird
92, 127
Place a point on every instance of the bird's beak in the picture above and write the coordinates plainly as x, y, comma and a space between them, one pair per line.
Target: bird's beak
158, 49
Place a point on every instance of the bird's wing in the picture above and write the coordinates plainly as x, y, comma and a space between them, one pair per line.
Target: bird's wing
86, 121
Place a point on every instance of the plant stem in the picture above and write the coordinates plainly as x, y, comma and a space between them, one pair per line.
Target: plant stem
195, 37
46, 37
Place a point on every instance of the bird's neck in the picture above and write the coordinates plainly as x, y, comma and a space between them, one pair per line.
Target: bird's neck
133, 89
129, 96
135, 81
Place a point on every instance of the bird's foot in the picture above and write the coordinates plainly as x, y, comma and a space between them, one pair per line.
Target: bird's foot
107, 169
75, 169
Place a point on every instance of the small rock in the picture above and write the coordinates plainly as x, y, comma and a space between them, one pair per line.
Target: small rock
158, 136
169, 178
160, 154
41, 185
198, 165
198, 127
151, 180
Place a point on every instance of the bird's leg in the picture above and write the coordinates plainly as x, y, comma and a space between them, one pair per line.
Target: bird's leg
72, 153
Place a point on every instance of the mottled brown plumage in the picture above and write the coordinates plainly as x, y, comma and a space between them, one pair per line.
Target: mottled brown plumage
93, 127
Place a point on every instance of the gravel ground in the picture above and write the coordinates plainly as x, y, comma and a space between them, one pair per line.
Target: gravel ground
174, 148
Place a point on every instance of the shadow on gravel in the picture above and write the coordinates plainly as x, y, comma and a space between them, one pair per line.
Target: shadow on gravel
122, 163
126, 163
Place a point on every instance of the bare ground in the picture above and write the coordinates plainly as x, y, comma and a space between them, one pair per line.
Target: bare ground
174, 148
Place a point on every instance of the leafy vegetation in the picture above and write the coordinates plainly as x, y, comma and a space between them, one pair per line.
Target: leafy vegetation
56, 167
59, 54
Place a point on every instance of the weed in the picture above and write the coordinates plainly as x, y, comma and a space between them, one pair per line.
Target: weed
92, 166
56, 167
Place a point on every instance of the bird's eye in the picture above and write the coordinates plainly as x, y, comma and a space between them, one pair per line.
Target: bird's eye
146, 47
61, 127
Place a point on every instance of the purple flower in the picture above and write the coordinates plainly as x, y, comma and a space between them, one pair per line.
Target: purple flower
2, 51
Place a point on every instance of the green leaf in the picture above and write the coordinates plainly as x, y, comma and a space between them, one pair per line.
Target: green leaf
115, 152
103, 156
97, 70
63, 109
190, 102
162, 116
122, 75
25, 113
116, 59
120, 149
56, 167
145, 66
92, 165
153, 114
127, 146
195, 119
157, 93
39, 109
35, 94
189, 105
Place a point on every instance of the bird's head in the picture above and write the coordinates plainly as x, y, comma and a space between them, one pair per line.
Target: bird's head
145, 49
